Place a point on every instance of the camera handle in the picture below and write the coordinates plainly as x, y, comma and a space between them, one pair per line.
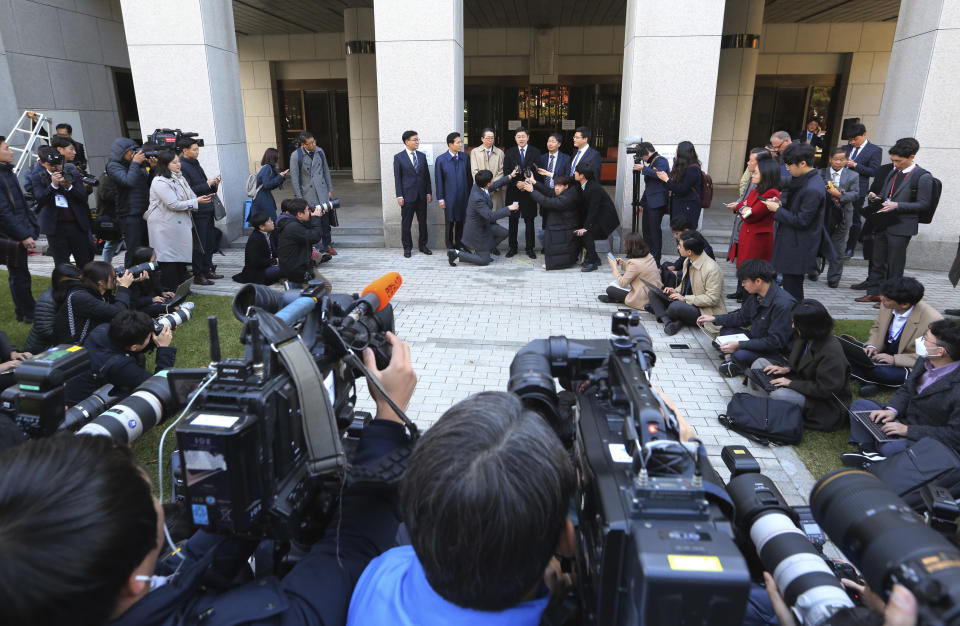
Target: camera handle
373, 381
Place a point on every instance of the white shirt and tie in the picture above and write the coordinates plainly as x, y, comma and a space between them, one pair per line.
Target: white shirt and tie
835, 175
550, 165
897, 323
576, 158
413, 158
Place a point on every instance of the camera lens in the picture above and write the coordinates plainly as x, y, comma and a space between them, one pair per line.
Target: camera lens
147, 406
172, 320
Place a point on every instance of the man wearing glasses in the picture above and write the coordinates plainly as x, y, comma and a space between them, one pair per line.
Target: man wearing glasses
411, 176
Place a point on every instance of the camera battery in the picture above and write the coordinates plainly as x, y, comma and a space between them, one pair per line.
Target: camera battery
739, 460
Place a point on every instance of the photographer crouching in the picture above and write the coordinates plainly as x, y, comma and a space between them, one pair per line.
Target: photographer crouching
87, 547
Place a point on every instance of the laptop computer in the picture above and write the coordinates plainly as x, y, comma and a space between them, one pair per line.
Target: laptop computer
872, 427
183, 290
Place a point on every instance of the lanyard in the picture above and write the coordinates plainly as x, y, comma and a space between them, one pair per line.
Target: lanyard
905, 177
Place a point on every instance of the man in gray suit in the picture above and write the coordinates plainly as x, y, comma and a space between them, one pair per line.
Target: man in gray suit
311, 181
481, 233
843, 189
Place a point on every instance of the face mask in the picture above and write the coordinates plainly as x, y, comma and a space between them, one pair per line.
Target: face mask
921, 348
155, 581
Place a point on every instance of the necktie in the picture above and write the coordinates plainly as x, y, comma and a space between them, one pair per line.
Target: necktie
413, 159
522, 151
573, 166
269, 246
856, 151
550, 167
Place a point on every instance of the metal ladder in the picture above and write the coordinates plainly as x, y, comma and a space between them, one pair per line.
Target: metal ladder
32, 131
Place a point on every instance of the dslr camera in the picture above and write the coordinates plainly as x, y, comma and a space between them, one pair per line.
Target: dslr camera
51, 158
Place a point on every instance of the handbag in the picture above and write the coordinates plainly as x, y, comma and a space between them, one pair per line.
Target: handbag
926, 461
764, 420
332, 217
219, 211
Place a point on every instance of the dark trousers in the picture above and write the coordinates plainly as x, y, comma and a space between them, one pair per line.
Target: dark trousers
203, 260
652, 228
529, 234
855, 227
664, 307
172, 274
590, 257
454, 233
273, 274
482, 257
69, 239
793, 284
19, 280
863, 368
745, 358
862, 436
669, 277
134, 234
617, 294
890, 258
407, 211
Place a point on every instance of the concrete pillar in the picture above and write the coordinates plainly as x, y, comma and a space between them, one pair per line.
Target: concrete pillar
361, 61
420, 75
670, 56
919, 100
9, 113
188, 77
737, 73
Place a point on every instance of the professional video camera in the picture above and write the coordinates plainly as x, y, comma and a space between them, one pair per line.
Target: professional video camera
654, 531
634, 149
168, 138
35, 403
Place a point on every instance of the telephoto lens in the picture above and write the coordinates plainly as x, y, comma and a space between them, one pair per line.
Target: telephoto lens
149, 404
174, 319
888, 542
136, 270
807, 583
330, 204
87, 409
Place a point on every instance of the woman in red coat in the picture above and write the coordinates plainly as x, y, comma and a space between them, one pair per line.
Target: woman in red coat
756, 233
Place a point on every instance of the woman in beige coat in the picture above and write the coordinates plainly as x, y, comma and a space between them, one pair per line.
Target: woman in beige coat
169, 220
634, 277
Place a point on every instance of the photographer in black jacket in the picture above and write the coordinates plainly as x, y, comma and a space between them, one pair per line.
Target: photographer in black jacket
85, 547
128, 170
298, 228
61, 198
17, 223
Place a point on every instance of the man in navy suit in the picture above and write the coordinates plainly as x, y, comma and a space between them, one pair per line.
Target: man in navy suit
452, 170
552, 162
62, 207
863, 159
411, 176
585, 154
521, 157
653, 203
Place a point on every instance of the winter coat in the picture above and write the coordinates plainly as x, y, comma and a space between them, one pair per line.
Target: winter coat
819, 370
561, 214
41, 333
16, 220
132, 179
168, 218
756, 232
294, 244
46, 198
86, 305
197, 179
800, 226
268, 179
637, 273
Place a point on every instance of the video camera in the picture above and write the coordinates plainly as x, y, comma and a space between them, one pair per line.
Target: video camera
169, 138
51, 158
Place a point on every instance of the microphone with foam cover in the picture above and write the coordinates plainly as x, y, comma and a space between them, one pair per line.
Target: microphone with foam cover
384, 288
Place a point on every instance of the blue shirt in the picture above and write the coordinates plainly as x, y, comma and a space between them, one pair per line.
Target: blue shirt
394, 590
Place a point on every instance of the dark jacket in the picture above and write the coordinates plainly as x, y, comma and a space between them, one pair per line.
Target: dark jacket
933, 412
142, 294
87, 305
80, 160
481, 216
39, 180
601, 216
799, 226
132, 180
685, 195
561, 214
316, 591
511, 159
816, 140
268, 179
41, 333
868, 163
16, 220
122, 369
590, 157
820, 372
905, 219
655, 192
259, 254
453, 184
294, 246
770, 321
561, 164
197, 179
411, 184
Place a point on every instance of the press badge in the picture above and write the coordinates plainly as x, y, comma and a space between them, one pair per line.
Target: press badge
61, 201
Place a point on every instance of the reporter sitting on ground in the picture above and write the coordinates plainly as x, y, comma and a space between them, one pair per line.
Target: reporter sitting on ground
767, 311
670, 270
260, 253
816, 373
103, 568
561, 215
927, 405
117, 355
633, 278
889, 354
45, 311
10, 359
700, 292
90, 302
148, 294
481, 233
298, 228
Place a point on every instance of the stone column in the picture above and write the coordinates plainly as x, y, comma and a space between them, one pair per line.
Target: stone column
919, 100
739, 54
362, 94
188, 77
670, 56
420, 80
9, 113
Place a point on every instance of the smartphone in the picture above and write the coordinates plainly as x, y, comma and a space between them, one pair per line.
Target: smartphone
679, 346
611, 257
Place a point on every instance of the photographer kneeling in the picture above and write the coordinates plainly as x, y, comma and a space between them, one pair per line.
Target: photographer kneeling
84, 547
117, 355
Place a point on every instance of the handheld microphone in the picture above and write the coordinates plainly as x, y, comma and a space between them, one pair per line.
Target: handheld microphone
376, 296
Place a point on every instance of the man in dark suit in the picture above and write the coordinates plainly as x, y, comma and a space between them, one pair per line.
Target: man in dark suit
842, 192
452, 171
521, 157
653, 203
863, 158
601, 216
811, 134
553, 162
481, 233
907, 192
62, 207
411, 176
585, 154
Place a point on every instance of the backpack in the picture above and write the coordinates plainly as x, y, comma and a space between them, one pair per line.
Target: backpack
706, 189
106, 195
252, 187
926, 216
927, 461
764, 420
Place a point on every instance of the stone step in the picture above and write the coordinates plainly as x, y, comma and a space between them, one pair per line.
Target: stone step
358, 241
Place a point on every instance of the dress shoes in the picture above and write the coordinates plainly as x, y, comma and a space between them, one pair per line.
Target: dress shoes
733, 296
868, 389
496, 252
202, 280
847, 255
406, 254
511, 253
213, 275
867, 298
860, 286
953, 312
672, 327
426, 250
452, 257
604, 298
531, 254
331, 251
861, 459
325, 257
814, 276
589, 267
833, 284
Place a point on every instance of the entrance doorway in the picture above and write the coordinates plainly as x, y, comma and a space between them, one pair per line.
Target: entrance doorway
323, 110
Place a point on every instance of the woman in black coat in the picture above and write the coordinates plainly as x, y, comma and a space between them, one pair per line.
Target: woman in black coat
90, 302
260, 254
268, 178
44, 314
684, 183
148, 295
561, 211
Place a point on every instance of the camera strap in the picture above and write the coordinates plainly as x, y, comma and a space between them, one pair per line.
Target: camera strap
373, 381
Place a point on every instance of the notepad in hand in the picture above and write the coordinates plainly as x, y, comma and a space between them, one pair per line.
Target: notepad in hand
722, 339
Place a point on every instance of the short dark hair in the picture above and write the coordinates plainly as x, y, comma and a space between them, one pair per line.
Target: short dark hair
143, 254
770, 176
164, 159
586, 171
185, 142
452, 137
693, 241
680, 223
304, 137
558, 136
407, 134
129, 327
66, 127
947, 333
813, 119
271, 157
64, 271
635, 247
756, 269
2, 139
293, 206
584, 131
902, 289
52, 576
811, 320
797, 152
646, 148
258, 219
484, 131
60, 142
483, 178
905, 147
521, 129
45, 152
485, 499
562, 179
855, 130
